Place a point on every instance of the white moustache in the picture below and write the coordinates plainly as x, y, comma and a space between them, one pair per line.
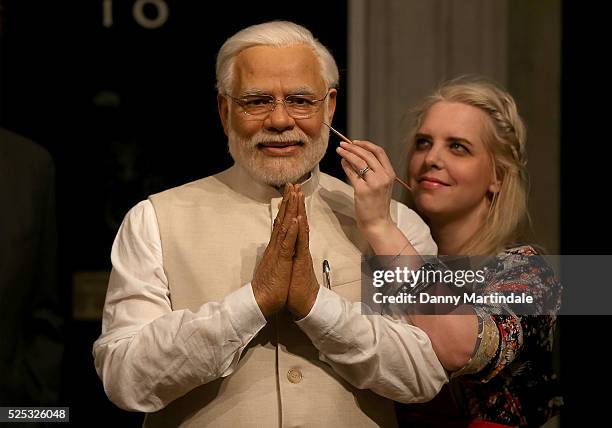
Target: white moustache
293, 136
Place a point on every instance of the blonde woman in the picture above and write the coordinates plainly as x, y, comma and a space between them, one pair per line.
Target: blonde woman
467, 170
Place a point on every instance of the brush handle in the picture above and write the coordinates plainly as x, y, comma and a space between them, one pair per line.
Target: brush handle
350, 142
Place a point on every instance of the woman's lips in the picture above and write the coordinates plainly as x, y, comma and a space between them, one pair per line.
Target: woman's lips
280, 150
429, 183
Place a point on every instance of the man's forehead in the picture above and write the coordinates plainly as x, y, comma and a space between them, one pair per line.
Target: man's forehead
295, 67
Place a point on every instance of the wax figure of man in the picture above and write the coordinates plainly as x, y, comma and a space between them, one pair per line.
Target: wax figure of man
214, 316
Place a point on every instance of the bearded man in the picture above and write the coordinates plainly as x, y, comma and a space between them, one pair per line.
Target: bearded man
214, 314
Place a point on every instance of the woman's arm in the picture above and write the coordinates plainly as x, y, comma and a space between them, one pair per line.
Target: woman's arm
453, 336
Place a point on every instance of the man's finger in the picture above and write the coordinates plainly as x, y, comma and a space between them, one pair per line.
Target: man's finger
283, 206
292, 207
287, 245
289, 214
302, 246
280, 216
302, 207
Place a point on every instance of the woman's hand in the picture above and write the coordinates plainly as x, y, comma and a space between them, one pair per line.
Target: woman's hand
373, 187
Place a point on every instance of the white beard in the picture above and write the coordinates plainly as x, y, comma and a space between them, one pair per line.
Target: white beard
277, 171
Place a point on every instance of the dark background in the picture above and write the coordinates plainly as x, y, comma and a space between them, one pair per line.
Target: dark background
585, 191
127, 111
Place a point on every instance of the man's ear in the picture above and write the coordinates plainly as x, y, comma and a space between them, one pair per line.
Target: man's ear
223, 107
331, 103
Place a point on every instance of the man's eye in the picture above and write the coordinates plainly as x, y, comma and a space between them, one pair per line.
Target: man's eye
256, 102
299, 101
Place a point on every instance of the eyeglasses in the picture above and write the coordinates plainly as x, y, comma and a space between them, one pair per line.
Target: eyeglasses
297, 106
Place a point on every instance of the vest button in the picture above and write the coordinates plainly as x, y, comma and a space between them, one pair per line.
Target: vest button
294, 376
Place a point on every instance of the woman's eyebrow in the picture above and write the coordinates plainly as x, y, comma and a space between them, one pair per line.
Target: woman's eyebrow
451, 138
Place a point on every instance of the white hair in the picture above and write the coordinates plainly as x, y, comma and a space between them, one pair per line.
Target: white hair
274, 33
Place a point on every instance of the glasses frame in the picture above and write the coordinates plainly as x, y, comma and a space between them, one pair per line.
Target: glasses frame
283, 101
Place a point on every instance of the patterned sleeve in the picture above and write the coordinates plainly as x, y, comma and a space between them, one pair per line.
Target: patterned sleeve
504, 329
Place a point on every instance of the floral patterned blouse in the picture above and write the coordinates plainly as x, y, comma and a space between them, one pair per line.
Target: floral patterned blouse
509, 379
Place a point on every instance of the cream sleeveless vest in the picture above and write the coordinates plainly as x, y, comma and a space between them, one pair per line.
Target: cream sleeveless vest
213, 234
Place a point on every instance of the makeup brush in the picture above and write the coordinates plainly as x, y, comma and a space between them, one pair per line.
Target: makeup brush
342, 137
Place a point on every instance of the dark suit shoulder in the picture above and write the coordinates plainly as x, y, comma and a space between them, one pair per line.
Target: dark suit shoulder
19, 152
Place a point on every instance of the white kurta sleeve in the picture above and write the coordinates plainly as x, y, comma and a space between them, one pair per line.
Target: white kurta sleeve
416, 230
148, 355
388, 356
392, 358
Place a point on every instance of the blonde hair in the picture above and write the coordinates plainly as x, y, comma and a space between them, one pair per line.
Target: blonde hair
505, 138
274, 33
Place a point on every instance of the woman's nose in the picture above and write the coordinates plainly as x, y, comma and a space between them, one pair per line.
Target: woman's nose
433, 159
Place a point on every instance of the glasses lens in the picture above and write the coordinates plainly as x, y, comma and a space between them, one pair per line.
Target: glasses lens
257, 106
301, 106
297, 106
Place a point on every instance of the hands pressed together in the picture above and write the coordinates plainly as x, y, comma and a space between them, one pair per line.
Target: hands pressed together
285, 276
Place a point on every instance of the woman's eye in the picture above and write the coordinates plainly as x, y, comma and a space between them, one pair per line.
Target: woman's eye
458, 147
421, 143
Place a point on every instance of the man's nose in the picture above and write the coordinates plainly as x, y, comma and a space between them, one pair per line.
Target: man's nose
279, 119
